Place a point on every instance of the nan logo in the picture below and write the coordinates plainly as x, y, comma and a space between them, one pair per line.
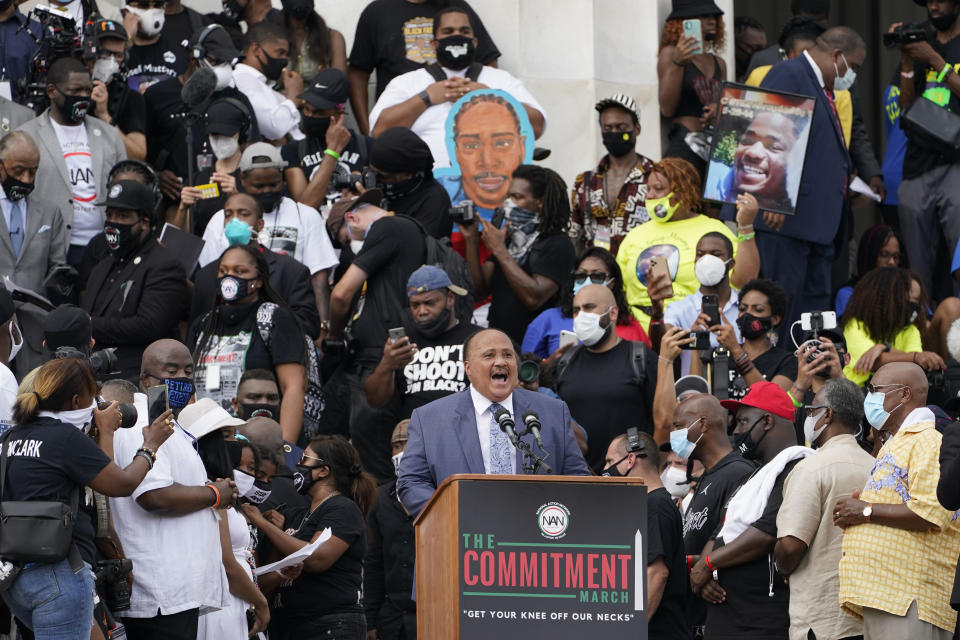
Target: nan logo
553, 519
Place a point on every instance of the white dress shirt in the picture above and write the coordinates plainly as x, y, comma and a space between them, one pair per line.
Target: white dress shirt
683, 313
277, 115
484, 417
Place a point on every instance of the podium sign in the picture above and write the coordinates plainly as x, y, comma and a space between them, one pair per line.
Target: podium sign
553, 560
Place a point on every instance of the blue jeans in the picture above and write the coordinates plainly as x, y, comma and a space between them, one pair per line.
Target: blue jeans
55, 602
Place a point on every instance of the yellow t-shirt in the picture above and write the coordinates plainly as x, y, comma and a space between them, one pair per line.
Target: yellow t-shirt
675, 241
859, 342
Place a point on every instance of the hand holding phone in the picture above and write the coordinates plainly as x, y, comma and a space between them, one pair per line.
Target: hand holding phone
659, 283
711, 309
157, 401
692, 29
568, 337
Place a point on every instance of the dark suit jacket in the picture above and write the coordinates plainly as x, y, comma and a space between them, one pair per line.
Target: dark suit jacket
948, 487
136, 304
288, 277
443, 441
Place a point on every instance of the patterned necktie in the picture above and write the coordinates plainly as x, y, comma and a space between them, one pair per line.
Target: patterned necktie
16, 226
500, 448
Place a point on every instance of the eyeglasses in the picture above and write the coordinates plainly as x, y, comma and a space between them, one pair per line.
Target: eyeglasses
811, 410
887, 255
596, 277
106, 53
875, 388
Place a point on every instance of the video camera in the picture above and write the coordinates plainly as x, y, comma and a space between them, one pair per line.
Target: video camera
904, 35
111, 579
59, 38
103, 362
464, 212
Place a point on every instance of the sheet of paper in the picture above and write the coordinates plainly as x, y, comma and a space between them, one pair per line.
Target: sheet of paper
297, 556
859, 186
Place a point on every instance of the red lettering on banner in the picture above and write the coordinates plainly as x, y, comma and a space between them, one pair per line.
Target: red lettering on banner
543, 569
609, 576
556, 569
574, 571
528, 570
592, 570
507, 569
468, 578
487, 573
624, 564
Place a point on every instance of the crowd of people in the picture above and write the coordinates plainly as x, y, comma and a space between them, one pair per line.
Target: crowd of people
241, 311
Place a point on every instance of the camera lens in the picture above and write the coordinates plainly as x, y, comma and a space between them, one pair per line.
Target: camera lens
529, 371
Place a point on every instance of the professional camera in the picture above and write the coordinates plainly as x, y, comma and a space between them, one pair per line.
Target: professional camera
59, 38
111, 576
341, 178
103, 362
464, 212
904, 35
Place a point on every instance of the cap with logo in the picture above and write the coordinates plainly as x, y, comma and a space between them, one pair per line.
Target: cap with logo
691, 384
329, 90
766, 396
261, 155
108, 29
130, 195
623, 101
430, 278
400, 432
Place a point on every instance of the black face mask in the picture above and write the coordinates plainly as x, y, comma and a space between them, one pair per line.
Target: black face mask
612, 471
752, 327
456, 52
15, 189
74, 108
248, 411
314, 127
233, 289
273, 67
911, 316
179, 392
233, 9
299, 9
303, 478
401, 188
943, 23
432, 330
258, 493
745, 445
120, 237
268, 200
617, 145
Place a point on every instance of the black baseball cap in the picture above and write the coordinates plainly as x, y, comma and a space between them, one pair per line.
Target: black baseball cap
225, 118
67, 326
131, 195
329, 90
109, 29
213, 41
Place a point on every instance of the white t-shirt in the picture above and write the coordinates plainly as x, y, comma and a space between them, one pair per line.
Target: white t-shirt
294, 229
8, 397
431, 125
87, 218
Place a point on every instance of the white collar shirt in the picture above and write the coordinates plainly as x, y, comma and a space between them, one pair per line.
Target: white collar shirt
484, 417
277, 115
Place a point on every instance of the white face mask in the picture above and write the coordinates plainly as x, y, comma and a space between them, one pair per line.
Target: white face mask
105, 68
80, 418
587, 327
809, 430
674, 480
224, 147
151, 20
710, 270
14, 345
355, 246
396, 462
844, 82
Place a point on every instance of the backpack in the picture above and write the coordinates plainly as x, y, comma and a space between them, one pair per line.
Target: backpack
638, 358
313, 402
438, 74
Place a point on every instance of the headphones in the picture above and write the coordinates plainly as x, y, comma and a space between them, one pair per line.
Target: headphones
634, 444
153, 182
199, 51
248, 116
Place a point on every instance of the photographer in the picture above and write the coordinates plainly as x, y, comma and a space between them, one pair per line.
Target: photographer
819, 358
51, 457
931, 178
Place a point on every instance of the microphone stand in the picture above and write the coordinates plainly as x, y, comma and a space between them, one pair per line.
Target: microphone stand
532, 463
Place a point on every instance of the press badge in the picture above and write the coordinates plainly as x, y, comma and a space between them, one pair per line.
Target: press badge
601, 237
213, 377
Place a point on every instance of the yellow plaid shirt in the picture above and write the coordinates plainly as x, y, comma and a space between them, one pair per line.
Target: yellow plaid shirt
887, 568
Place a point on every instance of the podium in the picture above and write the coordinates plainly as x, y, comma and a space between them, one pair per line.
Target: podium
514, 557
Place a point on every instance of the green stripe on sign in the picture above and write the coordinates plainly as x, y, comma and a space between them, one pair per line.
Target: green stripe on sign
519, 595
563, 545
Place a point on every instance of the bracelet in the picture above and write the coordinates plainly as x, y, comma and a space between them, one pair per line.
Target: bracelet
423, 95
149, 453
146, 456
914, 357
706, 561
689, 563
796, 403
216, 492
667, 360
943, 72
657, 321
741, 358
741, 230
743, 238
333, 154
906, 75
800, 391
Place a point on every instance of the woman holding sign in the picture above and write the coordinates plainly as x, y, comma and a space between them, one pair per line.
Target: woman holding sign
325, 599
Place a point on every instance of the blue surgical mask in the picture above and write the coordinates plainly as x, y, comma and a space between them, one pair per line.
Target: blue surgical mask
873, 409
844, 82
680, 444
238, 232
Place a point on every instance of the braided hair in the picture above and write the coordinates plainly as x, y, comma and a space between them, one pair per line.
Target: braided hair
548, 187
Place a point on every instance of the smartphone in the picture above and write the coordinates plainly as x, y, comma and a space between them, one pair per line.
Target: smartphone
568, 337
396, 333
711, 307
208, 191
658, 266
692, 29
497, 218
701, 343
157, 401
818, 321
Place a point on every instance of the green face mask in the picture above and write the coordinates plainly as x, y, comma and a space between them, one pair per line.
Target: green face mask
660, 209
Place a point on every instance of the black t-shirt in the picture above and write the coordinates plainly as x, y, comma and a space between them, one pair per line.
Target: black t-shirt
126, 107
749, 610
430, 205
771, 363
604, 398
437, 369
203, 210
703, 514
339, 588
550, 256
393, 37
47, 460
150, 63
393, 249
179, 27
665, 539
307, 154
919, 158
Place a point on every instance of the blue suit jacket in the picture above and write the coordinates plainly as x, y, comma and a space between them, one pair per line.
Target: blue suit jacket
443, 441
827, 164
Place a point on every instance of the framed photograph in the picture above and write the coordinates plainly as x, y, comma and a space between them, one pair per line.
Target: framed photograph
759, 147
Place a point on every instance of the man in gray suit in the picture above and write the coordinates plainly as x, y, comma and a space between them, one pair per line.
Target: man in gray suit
76, 153
33, 237
12, 115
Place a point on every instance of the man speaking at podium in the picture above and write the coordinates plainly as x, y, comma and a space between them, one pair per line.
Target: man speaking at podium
459, 434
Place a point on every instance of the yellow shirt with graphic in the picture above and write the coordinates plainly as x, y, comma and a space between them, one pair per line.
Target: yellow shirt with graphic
859, 342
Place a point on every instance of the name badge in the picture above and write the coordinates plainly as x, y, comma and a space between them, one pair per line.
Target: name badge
213, 377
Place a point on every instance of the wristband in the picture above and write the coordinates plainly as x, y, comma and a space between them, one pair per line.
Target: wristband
943, 72
423, 95
667, 360
216, 492
906, 75
742, 230
146, 456
333, 154
149, 453
706, 561
797, 404
743, 238
689, 563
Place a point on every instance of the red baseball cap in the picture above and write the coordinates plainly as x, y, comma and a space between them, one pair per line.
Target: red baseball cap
765, 396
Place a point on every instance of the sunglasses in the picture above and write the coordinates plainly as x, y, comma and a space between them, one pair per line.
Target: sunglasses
596, 277
306, 456
875, 388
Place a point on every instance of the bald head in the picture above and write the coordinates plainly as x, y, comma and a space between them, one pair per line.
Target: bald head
165, 359
594, 298
702, 405
264, 433
905, 373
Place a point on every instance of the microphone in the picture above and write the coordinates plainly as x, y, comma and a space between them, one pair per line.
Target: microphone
199, 88
506, 424
532, 422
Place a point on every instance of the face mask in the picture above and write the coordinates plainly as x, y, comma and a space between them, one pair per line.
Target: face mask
844, 82
74, 108
14, 345
15, 189
224, 73
618, 143
252, 490
80, 418
456, 52
710, 270
273, 67
680, 443
434, 328
752, 327
675, 482
303, 478
120, 238
151, 20
248, 411
745, 445
588, 329
314, 127
660, 209
810, 432
873, 409
269, 200
396, 462
944, 22
224, 147
237, 232
612, 471
105, 68
355, 246
299, 9
394, 190
179, 392
914, 308
233, 289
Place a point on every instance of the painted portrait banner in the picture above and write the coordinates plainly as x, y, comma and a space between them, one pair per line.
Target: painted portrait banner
759, 147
